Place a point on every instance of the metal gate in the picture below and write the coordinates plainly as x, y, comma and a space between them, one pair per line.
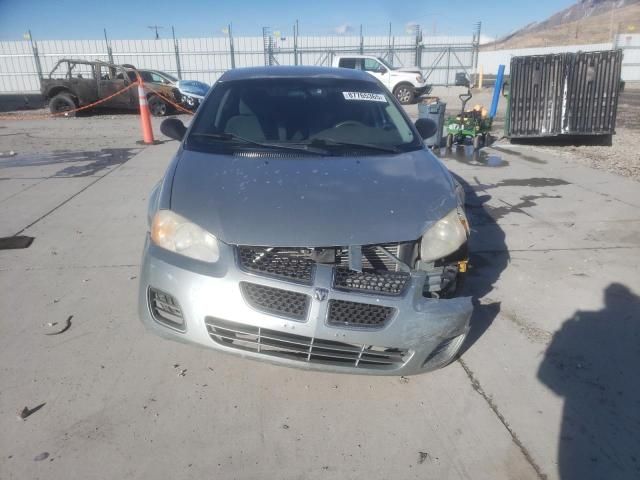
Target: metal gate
564, 94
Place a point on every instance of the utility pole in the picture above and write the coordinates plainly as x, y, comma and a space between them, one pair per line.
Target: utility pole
177, 53
155, 28
109, 51
36, 56
476, 53
295, 42
390, 52
611, 24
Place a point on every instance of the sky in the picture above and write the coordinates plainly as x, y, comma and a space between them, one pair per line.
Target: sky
126, 19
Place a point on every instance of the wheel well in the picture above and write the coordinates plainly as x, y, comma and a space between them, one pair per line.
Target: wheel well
58, 90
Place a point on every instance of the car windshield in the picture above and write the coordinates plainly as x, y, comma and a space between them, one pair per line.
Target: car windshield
326, 114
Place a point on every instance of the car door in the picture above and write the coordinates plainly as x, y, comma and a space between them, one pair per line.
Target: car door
112, 80
82, 82
375, 68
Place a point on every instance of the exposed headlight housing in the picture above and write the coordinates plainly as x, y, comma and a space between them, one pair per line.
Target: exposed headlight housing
444, 237
177, 234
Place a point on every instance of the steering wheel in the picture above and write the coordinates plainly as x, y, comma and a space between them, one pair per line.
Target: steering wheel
347, 123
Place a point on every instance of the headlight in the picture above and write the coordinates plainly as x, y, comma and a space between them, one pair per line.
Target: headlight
419, 79
445, 236
177, 234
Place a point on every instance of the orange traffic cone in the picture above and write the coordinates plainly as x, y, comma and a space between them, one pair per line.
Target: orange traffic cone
145, 115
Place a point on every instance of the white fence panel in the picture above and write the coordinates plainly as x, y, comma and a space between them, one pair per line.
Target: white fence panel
491, 59
630, 45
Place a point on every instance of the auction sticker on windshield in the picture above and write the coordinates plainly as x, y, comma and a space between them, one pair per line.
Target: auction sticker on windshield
371, 97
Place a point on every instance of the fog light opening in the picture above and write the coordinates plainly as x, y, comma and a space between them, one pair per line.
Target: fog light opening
165, 309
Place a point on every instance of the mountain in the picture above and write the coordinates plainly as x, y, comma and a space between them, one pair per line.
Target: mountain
587, 21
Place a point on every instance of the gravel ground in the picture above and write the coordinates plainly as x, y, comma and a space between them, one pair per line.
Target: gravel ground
621, 158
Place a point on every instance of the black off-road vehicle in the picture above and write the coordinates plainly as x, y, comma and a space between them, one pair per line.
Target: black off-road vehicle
76, 83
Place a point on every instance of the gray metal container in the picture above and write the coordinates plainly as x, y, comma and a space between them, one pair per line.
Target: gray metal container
564, 94
435, 111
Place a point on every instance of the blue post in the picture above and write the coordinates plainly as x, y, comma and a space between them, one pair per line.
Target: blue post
496, 91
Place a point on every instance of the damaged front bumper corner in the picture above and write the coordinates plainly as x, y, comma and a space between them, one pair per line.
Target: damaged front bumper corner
422, 334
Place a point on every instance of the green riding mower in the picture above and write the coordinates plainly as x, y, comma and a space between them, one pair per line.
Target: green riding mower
474, 124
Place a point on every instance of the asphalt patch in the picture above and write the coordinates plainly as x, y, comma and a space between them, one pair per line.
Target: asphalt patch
15, 242
83, 163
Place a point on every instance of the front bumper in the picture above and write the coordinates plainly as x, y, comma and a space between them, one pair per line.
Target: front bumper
428, 332
422, 90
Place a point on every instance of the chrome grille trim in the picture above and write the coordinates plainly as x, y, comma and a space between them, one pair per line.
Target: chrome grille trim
301, 348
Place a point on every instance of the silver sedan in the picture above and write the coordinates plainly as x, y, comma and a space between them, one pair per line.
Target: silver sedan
303, 222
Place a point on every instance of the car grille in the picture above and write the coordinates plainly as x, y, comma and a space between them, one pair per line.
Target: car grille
302, 348
354, 314
288, 263
379, 274
377, 281
276, 301
373, 259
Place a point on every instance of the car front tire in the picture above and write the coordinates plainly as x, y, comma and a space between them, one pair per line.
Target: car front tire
158, 107
63, 103
404, 93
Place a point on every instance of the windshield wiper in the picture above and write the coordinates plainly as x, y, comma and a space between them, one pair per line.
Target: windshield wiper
233, 137
328, 142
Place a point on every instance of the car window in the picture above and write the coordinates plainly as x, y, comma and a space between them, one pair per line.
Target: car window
347, 63
146, 76
372, 65
299, 111
155, 78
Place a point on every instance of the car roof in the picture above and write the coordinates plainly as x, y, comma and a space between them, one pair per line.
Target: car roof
356, 56
295, 72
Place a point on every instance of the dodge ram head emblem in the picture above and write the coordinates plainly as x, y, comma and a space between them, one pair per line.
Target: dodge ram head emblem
320, 294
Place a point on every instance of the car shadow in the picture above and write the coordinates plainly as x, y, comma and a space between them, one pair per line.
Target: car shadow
592, 362
485, 265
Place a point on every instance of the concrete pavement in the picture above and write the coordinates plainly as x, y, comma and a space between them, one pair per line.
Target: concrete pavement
535, 394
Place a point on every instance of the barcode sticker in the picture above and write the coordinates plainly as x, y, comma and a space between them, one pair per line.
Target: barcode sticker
371, 97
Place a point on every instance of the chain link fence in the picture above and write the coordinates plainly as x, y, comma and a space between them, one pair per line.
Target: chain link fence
24, 63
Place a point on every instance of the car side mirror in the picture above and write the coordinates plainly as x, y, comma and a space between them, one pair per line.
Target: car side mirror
382, 70
426, 127
173, 128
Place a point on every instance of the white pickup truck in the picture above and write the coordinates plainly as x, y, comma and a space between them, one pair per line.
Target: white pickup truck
404, 83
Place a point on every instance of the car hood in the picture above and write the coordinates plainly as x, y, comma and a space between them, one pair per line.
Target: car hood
407, 70
193, 87
312, 201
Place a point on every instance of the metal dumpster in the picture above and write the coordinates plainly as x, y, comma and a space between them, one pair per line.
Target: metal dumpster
564, 94
433, 109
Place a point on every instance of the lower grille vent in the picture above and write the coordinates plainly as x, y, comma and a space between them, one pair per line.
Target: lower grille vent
302, 348
165, 309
